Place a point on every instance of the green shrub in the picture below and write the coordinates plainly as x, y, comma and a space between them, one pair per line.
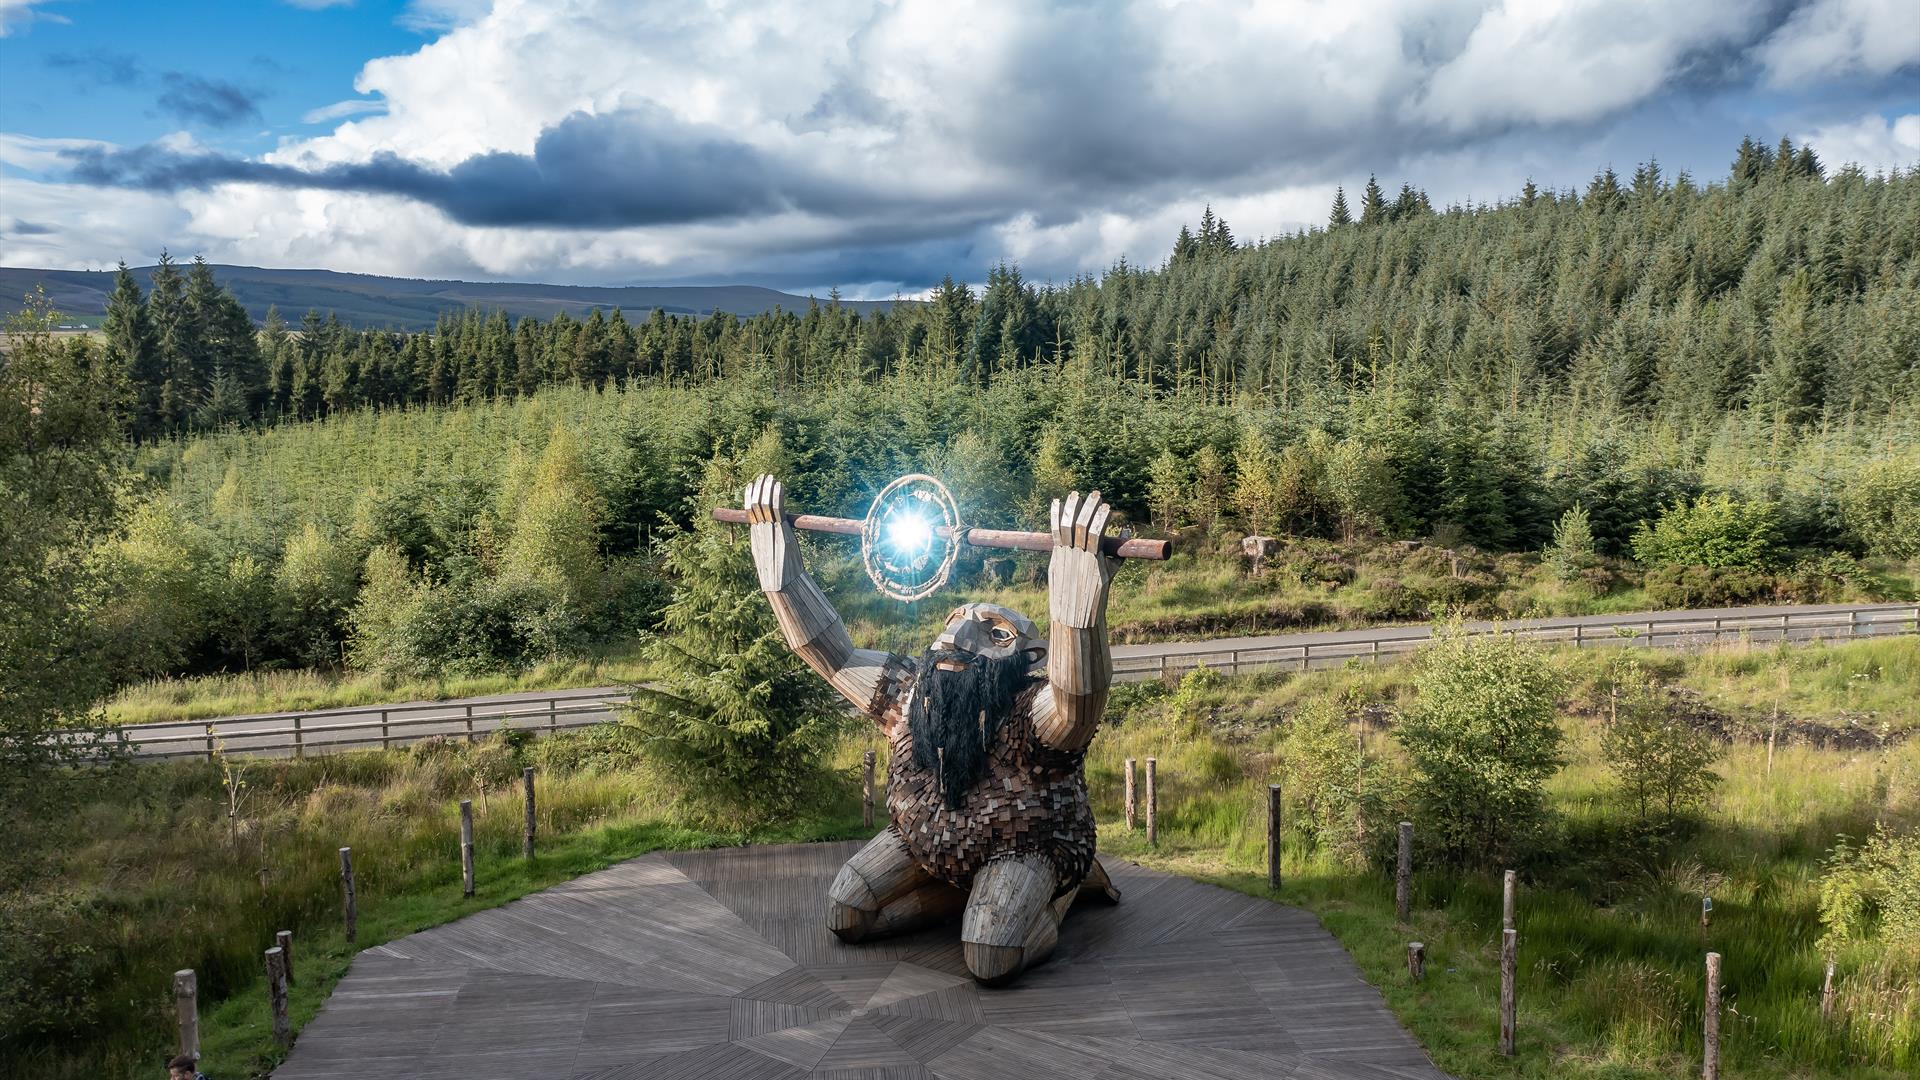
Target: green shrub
1483, 737
1660, 759
1881, 507
51, 964
1704, 586
1716, 531
1872, 892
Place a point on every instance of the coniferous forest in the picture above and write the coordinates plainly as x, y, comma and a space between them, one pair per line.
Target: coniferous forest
1736, 356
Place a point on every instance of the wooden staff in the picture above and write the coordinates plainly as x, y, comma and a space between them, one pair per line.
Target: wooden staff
526, 833
1117, 547
466, 847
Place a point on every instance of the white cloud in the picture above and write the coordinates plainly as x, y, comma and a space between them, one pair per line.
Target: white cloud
15, 14
1874, 142
1830, 38
1575, 61
914, 137
340, 110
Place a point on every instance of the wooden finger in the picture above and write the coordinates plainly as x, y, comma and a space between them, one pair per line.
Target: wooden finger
1068, 511
1053, 519
1098, 529
778, 500
1085, 518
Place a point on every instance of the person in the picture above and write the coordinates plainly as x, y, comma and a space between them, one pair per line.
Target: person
184, 1067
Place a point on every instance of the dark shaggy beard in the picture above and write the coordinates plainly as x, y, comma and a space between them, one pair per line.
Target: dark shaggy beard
956, 714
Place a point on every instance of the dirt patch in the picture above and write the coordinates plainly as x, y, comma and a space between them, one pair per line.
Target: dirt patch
1842, 731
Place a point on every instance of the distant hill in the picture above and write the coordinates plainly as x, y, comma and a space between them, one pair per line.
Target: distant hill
368, 300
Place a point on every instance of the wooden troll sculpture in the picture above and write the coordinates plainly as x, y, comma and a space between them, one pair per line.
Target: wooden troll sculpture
987, 791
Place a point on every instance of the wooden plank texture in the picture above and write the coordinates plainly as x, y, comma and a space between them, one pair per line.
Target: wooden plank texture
711, 964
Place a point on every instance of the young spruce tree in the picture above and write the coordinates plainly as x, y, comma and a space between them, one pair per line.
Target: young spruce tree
735, 717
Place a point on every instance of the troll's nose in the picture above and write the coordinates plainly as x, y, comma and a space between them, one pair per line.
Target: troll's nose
966, 636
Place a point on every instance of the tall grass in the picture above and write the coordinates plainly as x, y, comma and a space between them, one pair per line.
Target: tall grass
1611, 947
162, 879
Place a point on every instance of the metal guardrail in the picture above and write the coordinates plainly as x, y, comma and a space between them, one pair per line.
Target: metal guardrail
1673, 632
306, 733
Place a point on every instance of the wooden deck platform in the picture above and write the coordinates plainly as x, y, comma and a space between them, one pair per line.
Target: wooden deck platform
686, 966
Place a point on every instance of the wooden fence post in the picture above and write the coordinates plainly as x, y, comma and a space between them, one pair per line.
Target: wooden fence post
277, 996
386, 734
866, 789
1509, 963
553, 718
1416, 960
186, 1007
1403, 874
349, 904
299, 738
1273, 837
284, 942
1153, 805
1506, 900
469, 725
1129, 794
526, 834
466, 847
1826, 994
1706, 914
1710, 1069
210, 751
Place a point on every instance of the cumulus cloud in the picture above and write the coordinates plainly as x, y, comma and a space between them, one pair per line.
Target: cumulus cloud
1829, 38
855, 140
1874, 142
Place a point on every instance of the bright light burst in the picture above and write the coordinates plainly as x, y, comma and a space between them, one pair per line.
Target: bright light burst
909, 534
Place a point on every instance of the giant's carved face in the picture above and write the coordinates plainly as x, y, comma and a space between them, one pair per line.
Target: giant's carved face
967, 686
988, 631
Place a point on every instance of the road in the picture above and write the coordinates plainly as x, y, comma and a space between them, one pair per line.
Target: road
399, 723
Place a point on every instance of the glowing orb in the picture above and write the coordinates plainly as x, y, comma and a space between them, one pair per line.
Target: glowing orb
911, 537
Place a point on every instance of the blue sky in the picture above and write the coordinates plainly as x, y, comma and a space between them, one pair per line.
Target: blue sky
874, 146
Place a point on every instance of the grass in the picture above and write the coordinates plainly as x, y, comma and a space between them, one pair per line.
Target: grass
1611, 979
162, 880
1611, 949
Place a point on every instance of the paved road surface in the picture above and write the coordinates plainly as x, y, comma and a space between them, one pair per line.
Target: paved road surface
360, 726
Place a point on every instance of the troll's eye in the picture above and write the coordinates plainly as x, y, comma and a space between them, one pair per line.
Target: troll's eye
1002, 635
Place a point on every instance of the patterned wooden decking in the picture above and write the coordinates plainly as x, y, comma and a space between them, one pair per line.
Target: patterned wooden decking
693, 965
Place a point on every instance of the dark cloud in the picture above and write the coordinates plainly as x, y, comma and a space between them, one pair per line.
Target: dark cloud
27, 228
638, 167
99, 67
211, 101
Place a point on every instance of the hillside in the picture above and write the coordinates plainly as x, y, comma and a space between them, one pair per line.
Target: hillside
369, 300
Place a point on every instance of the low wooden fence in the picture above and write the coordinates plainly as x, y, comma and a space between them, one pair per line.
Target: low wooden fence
303, 734
1679, 631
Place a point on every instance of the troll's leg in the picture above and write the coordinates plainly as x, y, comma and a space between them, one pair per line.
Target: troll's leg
1012, 920
882, 890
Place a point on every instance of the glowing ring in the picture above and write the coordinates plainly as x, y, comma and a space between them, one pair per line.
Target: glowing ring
906, 525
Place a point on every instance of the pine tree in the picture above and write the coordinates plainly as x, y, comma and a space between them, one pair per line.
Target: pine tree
1340, 215
1253, 483
1184, 246
130, 344
737, 720
173, 399
1373, 203
1166, 489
